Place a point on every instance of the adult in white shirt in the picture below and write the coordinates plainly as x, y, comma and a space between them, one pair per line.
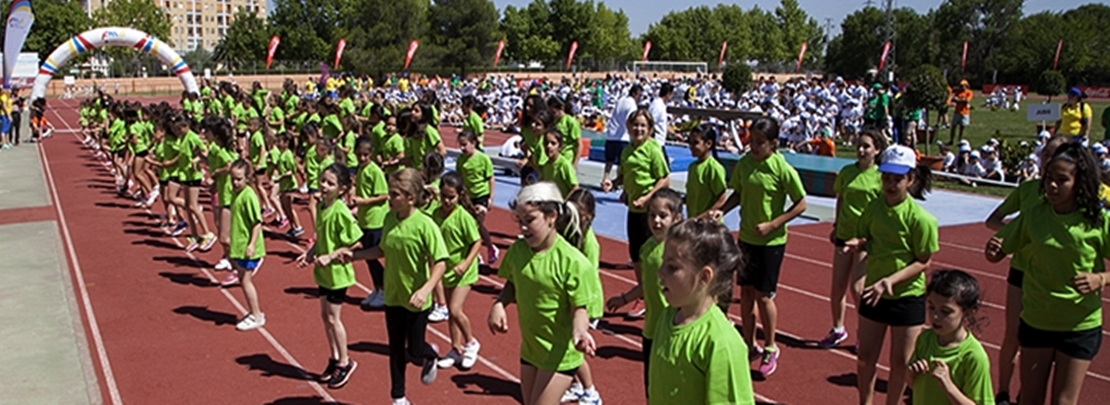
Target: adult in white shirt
658, 110
616, 130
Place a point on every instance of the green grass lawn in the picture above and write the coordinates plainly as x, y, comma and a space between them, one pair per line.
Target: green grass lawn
1006, 126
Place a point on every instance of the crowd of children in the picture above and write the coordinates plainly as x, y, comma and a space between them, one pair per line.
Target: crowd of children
372, 174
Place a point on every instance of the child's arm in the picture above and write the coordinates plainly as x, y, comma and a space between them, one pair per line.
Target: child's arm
470, 256
663, 182
730, 204
498, 321
617, 301
367, 201
309, 256
420, 297
583, 341
941, 372
256, 232
885, 285
795, 210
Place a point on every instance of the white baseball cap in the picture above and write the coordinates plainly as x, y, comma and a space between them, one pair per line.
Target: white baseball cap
898, 159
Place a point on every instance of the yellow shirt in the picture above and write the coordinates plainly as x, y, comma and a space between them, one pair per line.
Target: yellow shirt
5, 104
403, 84
1071, 118
332, 84
309, 86
1104, 195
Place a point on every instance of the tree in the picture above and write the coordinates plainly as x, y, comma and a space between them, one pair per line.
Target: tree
984, 24
797, 27
378, 33
142, 15
696, 34
308, 28
927, 89
544, 31
465, 30
856, 50
1050, 83
737, 78
55, 22
246, 41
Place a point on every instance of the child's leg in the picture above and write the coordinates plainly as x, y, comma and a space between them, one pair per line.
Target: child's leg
338, 332
459, 322
312, 210
140, 175
275, 201
259, 185
174, 194
747, 314
328, 331
416, 324
1007, 354
1036, 365
395, 325
547, 387
871, 335
769, 315
842, 272
246, 280
585, 376
224, 229
194, 207
1068, 380
902, 340
527, 380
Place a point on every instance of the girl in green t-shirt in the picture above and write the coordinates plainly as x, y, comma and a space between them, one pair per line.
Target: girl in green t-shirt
697, 357
900, 238
219, 158
476, 170
705, 182
285, 180
336, 231
664, 211
371, 195
247, 247
463, 240
392, 150
949, 364
318, 158
583, 389
558, 169
856, 186
543, 273
431, 169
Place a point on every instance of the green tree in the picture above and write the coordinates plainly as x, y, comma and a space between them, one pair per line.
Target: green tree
143, 15
984, 24
767, 37
696, 34
55, 22
927, 88
797, 27
466, 30
544, 31
527, 33
737, 78
378, 33
1050, 83
308, 28
246, 41
856, 50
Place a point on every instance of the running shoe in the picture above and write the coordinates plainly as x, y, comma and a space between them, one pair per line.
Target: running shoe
439, 314
470, 354
267, 212
179, 229
401, 401
284, 222
590, 397
152, 197
770, 361
192, 244
342, 374
834, 338
207, 241
376, 299
250, 322
231, 279
638, 310
574, 393
494, 254
329, 372
295, 233
450, 360
428, 372
223, 265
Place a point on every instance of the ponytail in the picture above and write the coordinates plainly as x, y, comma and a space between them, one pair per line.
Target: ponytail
922, 181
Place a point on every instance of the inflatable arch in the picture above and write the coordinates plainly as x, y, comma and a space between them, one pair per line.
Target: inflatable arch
111, 36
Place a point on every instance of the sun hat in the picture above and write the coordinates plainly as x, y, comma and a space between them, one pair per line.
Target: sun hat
965, 148
1075, 92
974, 154
898, 159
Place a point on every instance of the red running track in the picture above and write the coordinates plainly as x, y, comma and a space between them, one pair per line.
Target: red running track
168, 330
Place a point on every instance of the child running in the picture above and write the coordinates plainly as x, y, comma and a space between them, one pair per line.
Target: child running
705, 179
463, 241
900, 238
543, 276
697, 357
762, 180
372, 199
415, 254
664, 210
583, 390
336, 229
949, 364
1065, 239
247, 245
476, 170
856, 186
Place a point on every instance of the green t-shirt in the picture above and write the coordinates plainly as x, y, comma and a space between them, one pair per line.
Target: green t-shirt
705, 181
273, 157
876, 107
219, 158
433, 204
314, 164
331, 127
591, 280
335, 228
1027, 194
651, 258
460, 232
117, 135
158, 153
968, 367
287, 164
548, 291
346, 106
534, 145
140, 136
246, 212
349, 141
1059, 247
257, 145
239, 112
896, 236
474, 123
370, 183
476, 170
417, 147
571, 131
187, 146
703, 362
291, 102
277, 115
392, 145
410, 246
561, 172
377, 135
763, 188
855, 189
641, 167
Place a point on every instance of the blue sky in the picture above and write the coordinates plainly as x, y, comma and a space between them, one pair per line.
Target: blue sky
642, 13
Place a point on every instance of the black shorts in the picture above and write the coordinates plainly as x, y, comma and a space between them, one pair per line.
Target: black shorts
1016, 277
188, 183
1082, 345
163, 182
761, 270
572, 372
636, 227
260, 172
839, 242
483, 201
333, 296
906, 311
371, 237
142, 154
613, 151
122, 153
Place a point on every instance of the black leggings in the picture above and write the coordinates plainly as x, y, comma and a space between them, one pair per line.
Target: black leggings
646, 352
638, 232
371, 238
405, 326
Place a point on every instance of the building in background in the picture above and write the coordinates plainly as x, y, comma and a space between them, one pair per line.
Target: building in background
197, 24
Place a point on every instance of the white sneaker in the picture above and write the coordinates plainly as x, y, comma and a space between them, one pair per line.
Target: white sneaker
401, 401
450, 360
151, 198
251, 323
223, 265
470, 354
439, 314
573, 393
590, 397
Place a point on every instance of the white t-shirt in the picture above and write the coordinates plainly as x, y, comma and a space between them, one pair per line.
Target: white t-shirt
617, 130
658, 110
511, 148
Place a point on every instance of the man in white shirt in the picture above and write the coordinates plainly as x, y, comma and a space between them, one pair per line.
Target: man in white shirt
616, 129
658, 110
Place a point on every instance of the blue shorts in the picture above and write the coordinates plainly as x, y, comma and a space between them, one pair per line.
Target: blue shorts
5, 124
249, 264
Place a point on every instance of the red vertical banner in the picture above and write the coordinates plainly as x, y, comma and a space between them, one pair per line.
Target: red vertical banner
339, 52
412, 52
570, 56
1056, 60
647, 50
963, 59
882, 58
274, 42
497, 56
801, 55
721, 59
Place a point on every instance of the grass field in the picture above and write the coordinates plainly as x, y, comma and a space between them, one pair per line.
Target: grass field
1006, 126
